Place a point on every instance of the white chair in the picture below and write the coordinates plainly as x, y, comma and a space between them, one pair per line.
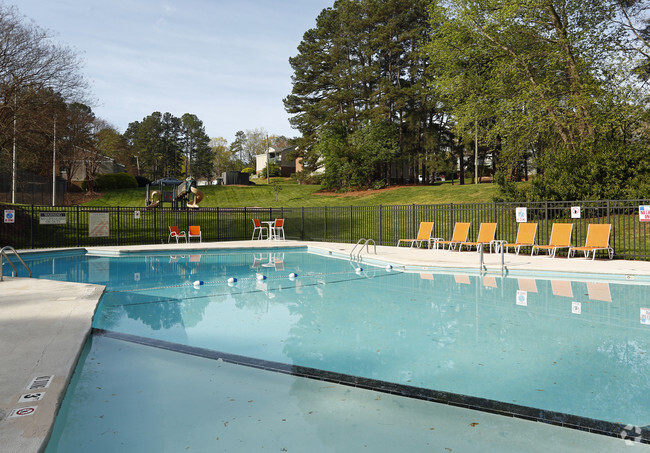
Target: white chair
259, 230
277, 232
175, 233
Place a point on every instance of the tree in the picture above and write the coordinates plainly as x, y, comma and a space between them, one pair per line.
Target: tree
198, 154
537, 77
363, 65
223, 157
156, 142
33, 70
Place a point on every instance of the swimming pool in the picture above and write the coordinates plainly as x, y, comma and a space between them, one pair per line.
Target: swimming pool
553, 350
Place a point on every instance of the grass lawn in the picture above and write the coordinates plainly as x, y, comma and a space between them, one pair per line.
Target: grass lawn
294, 195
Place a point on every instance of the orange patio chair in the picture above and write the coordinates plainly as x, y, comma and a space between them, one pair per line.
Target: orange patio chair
560, 239
175, 233
525, 237
486, 233
461, 231
424, 235
597, 239
259, 230
195, 232
277, 231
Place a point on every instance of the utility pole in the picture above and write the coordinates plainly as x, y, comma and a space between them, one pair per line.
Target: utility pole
268, 179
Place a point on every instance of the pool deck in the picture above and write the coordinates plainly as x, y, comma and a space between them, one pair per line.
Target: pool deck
44, 325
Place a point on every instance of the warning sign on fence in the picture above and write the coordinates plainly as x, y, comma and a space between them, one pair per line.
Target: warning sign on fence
10, 216
644, 213
52, 218
99, 225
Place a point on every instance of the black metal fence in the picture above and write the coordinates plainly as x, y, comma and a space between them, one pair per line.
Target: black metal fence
31, 188
48, 227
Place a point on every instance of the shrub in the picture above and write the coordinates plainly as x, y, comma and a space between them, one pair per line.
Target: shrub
112, 181
248, 170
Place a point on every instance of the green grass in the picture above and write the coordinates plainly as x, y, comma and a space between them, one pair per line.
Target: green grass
295, 195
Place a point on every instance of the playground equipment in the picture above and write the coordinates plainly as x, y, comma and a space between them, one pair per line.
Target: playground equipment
180, 194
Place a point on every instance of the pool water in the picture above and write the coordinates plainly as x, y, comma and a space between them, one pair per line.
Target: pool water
570, 347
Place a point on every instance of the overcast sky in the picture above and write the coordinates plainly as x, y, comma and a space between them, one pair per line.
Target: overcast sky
225, 61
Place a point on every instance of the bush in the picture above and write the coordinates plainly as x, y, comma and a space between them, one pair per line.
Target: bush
274, 170
248, 170
114, 181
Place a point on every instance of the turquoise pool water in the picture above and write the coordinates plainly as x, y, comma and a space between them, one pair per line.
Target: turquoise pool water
568, 347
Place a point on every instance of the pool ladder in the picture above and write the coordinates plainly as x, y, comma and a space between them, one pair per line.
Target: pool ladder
3, 255
364, 243
481, 266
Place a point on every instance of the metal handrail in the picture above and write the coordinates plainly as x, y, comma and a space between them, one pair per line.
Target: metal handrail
3, 253
366, 243
481, 265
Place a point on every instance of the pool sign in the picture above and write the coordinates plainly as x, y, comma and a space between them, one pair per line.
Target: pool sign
136, 214
645, 316
10, 216
22, 411
99, 225
52, 218
522, 215
644, 213
576, 308
40, 382
575, 212
30, 397
522, 298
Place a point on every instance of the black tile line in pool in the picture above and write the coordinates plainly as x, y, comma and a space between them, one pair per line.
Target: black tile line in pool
627, 432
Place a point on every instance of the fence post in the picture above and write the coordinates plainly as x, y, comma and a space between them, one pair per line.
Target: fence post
155, 224
77, 227
381, 242
302, 224
118, 225
218, 226
325, 224
351, 239
415, 234
31, 227
546, 219
451, 218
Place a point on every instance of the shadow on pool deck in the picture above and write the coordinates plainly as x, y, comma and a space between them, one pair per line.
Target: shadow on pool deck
44, 324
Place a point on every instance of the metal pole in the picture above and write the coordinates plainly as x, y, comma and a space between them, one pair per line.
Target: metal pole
476, 152
14, 166
54, 166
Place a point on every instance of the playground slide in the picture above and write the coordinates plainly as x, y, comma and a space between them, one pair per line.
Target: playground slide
198, 196
154, 203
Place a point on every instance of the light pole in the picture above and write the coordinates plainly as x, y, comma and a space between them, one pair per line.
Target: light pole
54, 166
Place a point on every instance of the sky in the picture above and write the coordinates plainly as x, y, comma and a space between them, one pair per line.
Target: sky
227, 62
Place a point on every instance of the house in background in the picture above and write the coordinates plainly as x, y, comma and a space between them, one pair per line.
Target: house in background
280, 157
85, 162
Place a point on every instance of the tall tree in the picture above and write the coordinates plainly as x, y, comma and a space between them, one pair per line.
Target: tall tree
363, 66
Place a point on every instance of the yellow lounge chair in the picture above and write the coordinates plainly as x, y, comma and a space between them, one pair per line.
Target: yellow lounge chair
486, 233
597, 239
461, 231
424, 235
560, 239
525, 237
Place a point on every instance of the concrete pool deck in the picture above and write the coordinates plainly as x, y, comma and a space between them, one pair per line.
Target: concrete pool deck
44, 325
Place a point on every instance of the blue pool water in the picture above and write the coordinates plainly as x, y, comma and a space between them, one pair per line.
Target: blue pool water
571, 347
